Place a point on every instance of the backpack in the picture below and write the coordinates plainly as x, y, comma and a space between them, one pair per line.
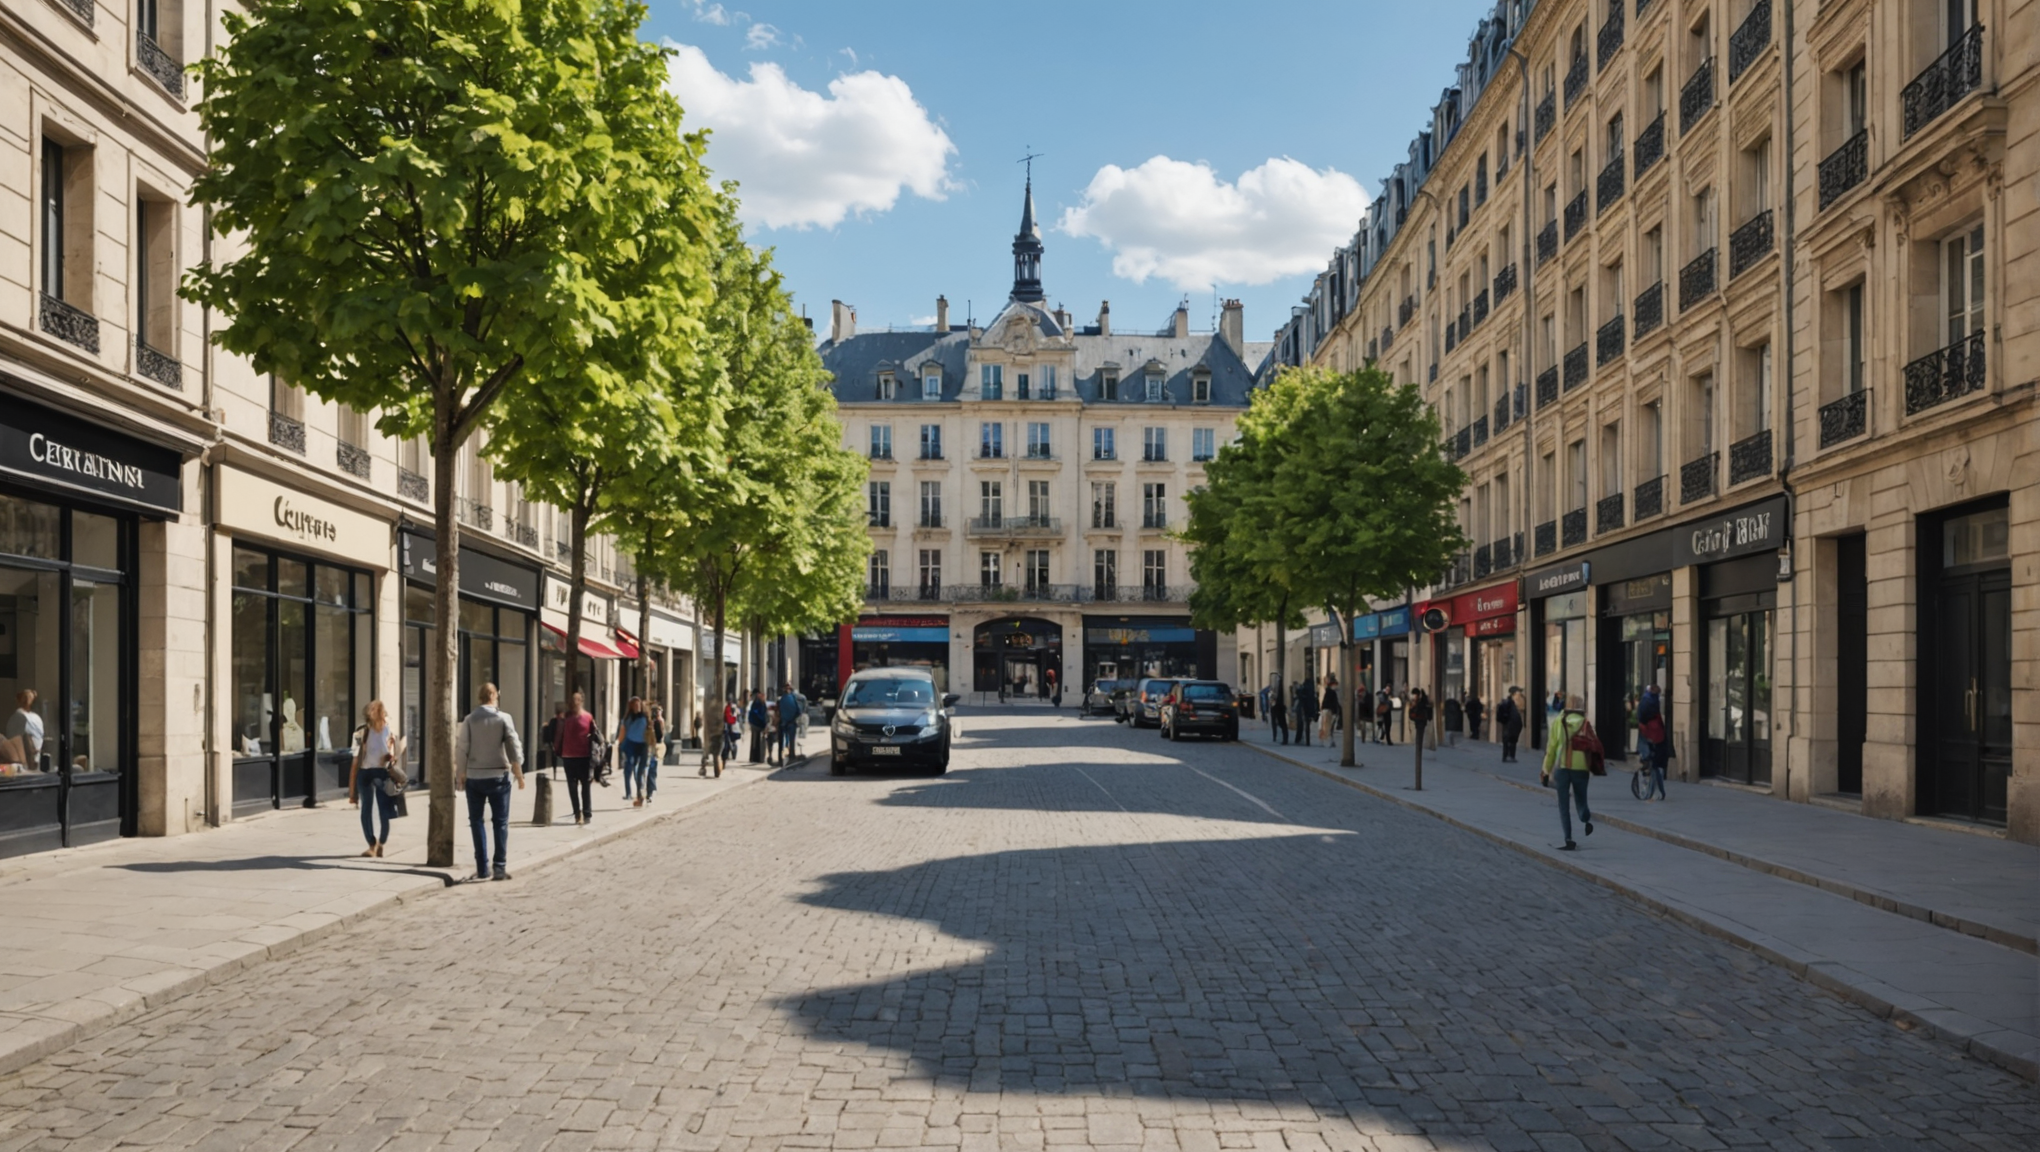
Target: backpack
1586, 741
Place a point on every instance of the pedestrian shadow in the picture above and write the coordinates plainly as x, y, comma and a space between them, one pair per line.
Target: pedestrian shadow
280, 864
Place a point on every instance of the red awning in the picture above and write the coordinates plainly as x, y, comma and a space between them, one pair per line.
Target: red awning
626, 644
594, 646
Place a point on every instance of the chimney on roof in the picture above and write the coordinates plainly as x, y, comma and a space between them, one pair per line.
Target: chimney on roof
842, 321
1105, 318
942, 314
1062, 319
1181, 328
1232, 327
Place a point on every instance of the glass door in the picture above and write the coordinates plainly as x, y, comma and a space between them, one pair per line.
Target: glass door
1736, 743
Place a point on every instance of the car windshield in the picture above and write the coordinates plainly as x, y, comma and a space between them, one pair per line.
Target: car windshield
889, 692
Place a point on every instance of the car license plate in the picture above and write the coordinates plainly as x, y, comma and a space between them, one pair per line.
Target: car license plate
885, 750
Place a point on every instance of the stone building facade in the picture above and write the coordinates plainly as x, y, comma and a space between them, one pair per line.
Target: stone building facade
1026, 476
1720, 304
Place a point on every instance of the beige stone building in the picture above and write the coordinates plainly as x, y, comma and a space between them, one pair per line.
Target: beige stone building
1026, 474
204, 575
1719, 302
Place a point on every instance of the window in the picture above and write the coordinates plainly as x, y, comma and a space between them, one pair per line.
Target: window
1654, 92
878, 573
1021, 387
1154, 387
1037, 571
931, 574
1203, 443
1105, 574
931, 504
1576, 475
988, 570
1757, 177
1547, 488
931, 384
931, 441
1701, 413
1039, 508
1154, 506
1963, 287
878, 503
1611, 458
1653, 254
1855, 100
1154, 573
1104, 501
1652, 462
53, 230
1102, 446
1613, 151
1200, 389
991, 502
1752, 395
1703, 220
1038, 446
991, 381
888, 386
1853, 351
991, 440
1154, 444
1108, 385
1048, 381
881, 441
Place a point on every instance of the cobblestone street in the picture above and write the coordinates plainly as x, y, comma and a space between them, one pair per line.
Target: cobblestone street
1082, 936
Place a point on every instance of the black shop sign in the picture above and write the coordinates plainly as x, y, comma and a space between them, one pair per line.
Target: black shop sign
52, 450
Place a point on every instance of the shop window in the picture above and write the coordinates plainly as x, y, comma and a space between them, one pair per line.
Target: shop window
301, 654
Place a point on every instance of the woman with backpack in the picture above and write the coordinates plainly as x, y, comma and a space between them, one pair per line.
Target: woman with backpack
634, 736
1569, 757
375, 753
1655, 741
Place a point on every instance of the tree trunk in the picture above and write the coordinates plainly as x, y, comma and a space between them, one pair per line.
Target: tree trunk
644, 628
577, 582
717, 697
1349, 663
445, 655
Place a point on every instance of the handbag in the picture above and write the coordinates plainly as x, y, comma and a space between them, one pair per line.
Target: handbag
1586, 741
399, 779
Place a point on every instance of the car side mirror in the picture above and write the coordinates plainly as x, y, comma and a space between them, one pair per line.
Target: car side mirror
949, 699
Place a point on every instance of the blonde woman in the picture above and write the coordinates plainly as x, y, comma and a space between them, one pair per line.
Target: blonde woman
375, 749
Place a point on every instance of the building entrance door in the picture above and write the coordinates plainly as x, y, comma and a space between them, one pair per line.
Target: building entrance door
1736, 740
1967, 669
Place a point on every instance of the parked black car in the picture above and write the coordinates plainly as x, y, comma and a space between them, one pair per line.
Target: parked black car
891, 716
1206, 707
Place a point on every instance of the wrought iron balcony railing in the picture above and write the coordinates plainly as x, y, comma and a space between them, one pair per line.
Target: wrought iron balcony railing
1547, 387
1608, 342
1575, 215
1462, 442
1547, 242
1547, 538
1134, 594
1546, 115
1480, 188
1650, 309
929, 520
353, 459
1751, 242
1845, 167
1015, 526
474, 513
1610, 40
161, 66
1945, 82
1480, 308
412, 486
1945, 374
526, 535
286, 433
1576, 367
1405, 310
1451, 335
1696, 279
1501, 417
1610, 184
1650, 145
70, 324
1572, 529
83, 9
1649, 498
157, 365
1505, 283
1483, 561
1844, 419
1697, 97
1749, 40
1480, 431
1576, 80
1749, 457
1696, 477
1504, 554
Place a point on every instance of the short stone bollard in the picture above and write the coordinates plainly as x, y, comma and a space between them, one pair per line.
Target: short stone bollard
541, 800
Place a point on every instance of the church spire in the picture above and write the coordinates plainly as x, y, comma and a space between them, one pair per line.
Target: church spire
1027, 252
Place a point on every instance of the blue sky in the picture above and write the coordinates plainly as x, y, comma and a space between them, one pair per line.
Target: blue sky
1182, 143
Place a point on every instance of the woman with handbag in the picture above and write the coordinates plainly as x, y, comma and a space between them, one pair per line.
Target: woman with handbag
376, 772
1655, 741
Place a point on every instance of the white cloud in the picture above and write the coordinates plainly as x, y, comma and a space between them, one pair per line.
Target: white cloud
760, 37
1179, 222
712, 13
804, 158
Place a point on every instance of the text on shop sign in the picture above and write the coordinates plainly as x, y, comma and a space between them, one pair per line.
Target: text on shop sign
46, 451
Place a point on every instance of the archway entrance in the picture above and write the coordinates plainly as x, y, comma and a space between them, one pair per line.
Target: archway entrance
1019, 657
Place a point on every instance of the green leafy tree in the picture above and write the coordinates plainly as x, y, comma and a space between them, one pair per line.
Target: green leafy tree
1230, 589
419, 196
1358, 500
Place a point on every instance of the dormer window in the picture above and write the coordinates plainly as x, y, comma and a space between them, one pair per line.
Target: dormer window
1108, 385
931, 384
1200, 389
888, 387
1154, 387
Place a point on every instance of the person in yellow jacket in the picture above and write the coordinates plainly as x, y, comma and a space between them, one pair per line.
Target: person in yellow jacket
1567, 769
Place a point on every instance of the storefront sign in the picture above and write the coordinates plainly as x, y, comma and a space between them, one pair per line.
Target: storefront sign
1646, 594
251, 505
1756, 528
559, 597
1493, 626
1367, 627
1324, 635
52, 450
1395, 621
482, 576
893, 635
1127, 637
670, 632
1557, 579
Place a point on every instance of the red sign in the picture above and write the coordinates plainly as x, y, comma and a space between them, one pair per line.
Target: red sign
1485, 611
1494, 626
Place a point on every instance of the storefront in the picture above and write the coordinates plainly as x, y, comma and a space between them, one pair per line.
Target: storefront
672, 682
1965, 701
1128, 647
1016, 655
891, 641
1474, 643
71, 498
820, 666
1558, 628
498, 605
599, 650
1736, 554
1634, 652
302, 643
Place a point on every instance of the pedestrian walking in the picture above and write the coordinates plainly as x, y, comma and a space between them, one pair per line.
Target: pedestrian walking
634, 739
1455, 719
1654, 745
658, 751
1384, 715
1331, 709
760, 716
549, 735
732, 730
575, 742
1509, 720
1567, 766
1278, 712
1304, 711
1419, 712
1054, 686
376, 749
1475, 713
791, 708
487, 756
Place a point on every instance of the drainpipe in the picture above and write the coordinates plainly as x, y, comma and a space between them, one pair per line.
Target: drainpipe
1529, 253
1788, 267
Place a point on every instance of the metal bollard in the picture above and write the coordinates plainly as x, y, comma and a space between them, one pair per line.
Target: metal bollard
541, 800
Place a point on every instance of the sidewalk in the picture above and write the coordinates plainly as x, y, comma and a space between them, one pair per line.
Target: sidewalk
1931, 927
98, 934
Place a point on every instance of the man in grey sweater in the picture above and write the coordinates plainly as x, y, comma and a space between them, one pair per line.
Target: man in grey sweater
486, 757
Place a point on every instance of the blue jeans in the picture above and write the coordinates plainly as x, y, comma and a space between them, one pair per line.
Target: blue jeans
1572, 786
494, 792
789, 733
368, 789
634, 765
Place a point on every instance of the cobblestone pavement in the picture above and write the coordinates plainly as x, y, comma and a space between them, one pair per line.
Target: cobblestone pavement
1080, 937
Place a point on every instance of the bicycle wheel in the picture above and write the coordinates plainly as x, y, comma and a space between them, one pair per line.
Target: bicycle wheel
1636, 784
